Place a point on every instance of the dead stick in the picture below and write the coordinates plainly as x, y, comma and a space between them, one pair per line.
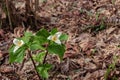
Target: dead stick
36, 8
8, 12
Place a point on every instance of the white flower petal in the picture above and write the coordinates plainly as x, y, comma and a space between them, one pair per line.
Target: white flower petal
15, 41
55, 37
16, 48
49, 38
58, 41
18, 42
58, 34
21, 42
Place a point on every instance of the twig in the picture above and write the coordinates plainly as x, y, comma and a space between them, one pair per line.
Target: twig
34, 64
8, 12
0, 24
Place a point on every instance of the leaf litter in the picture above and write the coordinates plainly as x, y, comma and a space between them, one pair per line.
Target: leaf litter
90, 49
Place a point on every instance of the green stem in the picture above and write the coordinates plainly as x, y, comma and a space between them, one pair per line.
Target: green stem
45, 57
34, 64
46, 53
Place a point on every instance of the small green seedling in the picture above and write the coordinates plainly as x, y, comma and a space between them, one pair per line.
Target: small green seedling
111, 67
44, 41
97, 16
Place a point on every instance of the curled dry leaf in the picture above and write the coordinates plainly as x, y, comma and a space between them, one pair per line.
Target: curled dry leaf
95, 75
90, 66
88, 45
71, 50
18, 31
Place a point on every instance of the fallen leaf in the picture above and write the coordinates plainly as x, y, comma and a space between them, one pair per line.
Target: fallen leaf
1, 55
6, 69
71, 50
110, 30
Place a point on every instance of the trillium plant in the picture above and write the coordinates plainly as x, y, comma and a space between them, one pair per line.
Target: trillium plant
43, 41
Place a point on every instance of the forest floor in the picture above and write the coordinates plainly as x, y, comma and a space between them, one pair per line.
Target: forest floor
93, 47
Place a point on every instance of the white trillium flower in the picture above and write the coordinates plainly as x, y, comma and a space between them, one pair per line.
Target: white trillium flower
18, 44
55, 37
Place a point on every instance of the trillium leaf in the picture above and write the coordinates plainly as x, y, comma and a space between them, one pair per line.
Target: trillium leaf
26, 34
57, 49
36, 46
53, 31
63, 37
40, 39
43, 70
37, 42
39, 57
25, 39
43, 33
16, 56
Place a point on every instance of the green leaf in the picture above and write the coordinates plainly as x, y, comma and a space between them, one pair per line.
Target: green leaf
18, 56
102, 26
53, 31
40, 39
43, 70
37, 42
107, 73
25, 39
63, 37
43, 33
57, 49
36, 47
27, 36
39, 57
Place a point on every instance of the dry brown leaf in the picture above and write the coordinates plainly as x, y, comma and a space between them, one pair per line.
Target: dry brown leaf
18, 31
6, 69
90, 66
88, 45
1, 55
71, 50
1, 33
110, 30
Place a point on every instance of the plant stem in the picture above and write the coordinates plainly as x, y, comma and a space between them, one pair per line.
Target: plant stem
45, 57
34, 64
46, 53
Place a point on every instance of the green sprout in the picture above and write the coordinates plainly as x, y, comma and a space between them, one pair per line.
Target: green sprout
111, 67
